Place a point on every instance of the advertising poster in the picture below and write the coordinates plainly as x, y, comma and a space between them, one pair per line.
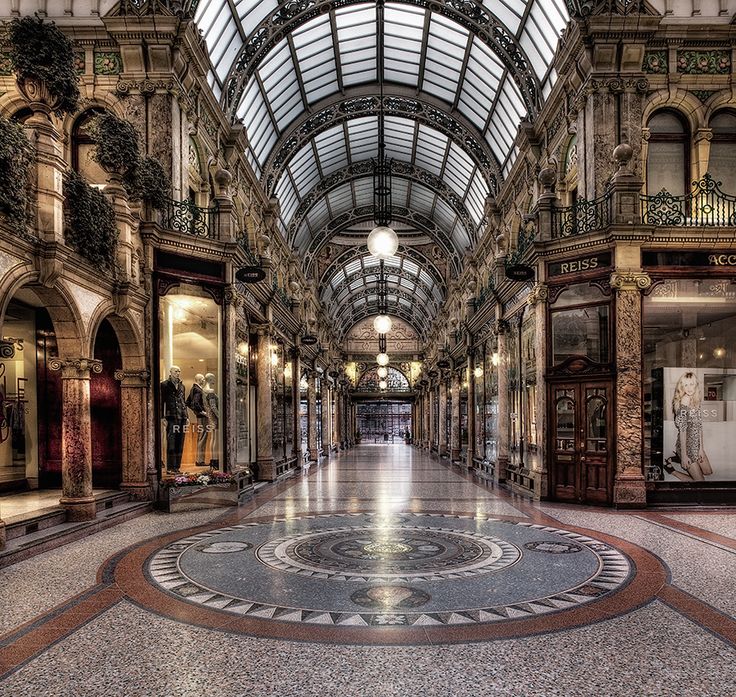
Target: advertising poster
699, 415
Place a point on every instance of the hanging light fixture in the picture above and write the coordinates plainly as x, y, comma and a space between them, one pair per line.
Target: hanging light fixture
383, 384
382, 372
382, 359
382, 324
382, 241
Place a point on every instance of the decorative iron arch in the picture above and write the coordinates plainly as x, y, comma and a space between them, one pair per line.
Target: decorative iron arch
363, 170
388, 274
419, 324
291, 14
336, 113
404, 215
396, 379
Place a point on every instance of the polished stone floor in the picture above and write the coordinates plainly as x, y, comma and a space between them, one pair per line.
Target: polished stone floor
381, 573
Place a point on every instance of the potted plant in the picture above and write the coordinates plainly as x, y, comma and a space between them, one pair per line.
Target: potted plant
42, 57
16, 157
190, 491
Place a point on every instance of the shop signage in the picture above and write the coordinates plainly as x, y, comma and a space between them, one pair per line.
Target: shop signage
713, 259
591, 263
250, 274
309, 340
443, 363
519, 272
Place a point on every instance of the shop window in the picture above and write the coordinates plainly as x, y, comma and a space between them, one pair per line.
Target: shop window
580, 325
83, 148
723, 150
190, 366
668, 165
689, 358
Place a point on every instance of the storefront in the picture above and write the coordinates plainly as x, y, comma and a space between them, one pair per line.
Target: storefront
689, 374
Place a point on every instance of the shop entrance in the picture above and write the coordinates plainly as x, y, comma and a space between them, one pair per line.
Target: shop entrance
581, 464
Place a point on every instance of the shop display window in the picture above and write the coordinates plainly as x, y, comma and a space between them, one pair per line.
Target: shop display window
479, 405
242, 395
190, 366
490, 369
580, 325
513, 367
281, 403
689, 376
464, 410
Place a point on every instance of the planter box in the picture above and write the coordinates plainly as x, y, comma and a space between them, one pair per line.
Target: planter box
174, 499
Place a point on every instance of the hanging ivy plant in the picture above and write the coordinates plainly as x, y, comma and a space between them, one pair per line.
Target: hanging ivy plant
41, 51
116, 142
16, 157
91, 228
147, 181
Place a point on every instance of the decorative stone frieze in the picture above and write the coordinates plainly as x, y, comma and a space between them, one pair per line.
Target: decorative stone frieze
716, 62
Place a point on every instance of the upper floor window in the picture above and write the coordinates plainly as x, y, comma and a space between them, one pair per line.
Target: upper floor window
83, 147
668, 165
722, 162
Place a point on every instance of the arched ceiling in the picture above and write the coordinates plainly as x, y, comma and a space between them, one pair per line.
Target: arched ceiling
458, 77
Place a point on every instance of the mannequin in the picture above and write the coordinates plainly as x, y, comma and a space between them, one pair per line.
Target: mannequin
174, 417
195, 401
212, 407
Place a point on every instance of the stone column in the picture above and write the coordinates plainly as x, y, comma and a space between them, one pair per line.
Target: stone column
537, 301
432, 432
471, 411
312, 416
441, 431
455, 417
629, 487
338, 419
326, 421
296, 371
504, 408
76, 435
264, 420
228, 405
135, 429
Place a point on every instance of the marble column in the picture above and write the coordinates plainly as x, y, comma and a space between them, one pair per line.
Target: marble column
441, 430
338, 419
504, 402
133, 385
432, 432
296, 372
264, 422
312, 416
471, 411
538, 305
228, 406
629, 488
326, 421
76, 436
455, 417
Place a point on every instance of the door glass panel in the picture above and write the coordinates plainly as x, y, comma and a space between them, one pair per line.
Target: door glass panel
565, 433
595, 421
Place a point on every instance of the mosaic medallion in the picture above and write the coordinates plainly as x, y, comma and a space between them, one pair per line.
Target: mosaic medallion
415, 570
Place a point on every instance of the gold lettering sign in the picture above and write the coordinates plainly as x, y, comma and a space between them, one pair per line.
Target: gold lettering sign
579, 265
722, 259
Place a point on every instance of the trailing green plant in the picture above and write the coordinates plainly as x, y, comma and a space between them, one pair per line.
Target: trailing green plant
116, 142
147, 181
91, 229
16, 158
40, 50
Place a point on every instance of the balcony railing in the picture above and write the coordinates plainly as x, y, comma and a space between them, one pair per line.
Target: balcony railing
582, 217
185, 217
705, 205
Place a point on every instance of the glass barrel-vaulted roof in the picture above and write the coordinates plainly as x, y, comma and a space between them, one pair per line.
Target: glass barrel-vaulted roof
458, 78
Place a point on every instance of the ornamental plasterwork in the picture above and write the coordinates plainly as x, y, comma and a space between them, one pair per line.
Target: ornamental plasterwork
107, 63
655, 62
630, 280
538, 294
716, 62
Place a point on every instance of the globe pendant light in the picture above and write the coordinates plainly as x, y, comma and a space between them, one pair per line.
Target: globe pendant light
382, 372
382, 359
383, 384
382, 324
383, 242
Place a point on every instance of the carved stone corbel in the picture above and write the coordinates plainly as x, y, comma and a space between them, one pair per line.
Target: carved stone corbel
538, 294
630, 280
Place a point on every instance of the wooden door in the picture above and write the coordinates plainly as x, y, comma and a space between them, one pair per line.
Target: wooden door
581, 441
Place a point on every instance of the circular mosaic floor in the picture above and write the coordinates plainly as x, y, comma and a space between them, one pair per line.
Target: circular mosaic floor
411, 570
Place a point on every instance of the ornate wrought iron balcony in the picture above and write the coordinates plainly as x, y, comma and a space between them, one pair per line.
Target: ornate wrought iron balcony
582, 217
185, 217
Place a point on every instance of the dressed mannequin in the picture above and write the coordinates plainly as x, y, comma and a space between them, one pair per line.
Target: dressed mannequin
174, 417
212, 406
195, 401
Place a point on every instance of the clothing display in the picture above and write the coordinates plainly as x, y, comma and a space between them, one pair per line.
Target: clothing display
174, 411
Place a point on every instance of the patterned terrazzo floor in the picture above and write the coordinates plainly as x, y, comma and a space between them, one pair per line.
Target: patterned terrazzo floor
381, 573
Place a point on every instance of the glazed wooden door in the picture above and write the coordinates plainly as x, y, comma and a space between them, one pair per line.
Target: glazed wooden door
581, 442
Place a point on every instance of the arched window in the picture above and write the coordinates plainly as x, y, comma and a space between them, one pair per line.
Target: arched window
82, 148
668, 165
723, 150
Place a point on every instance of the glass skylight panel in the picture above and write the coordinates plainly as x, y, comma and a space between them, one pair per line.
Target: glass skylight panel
480, 85
431, 147
446, 46
303, 168
422, 199
260, 128
331, 151
319, 216
458, 169
476, 200
460, 237
403, 34
399, 138
301, 241
444, 215
341, 199
399, 192
253, 12
356, 32
363, 138
510, 12
410, 266
505, 122
369, 261
281, 85
288, 200
363, 192
393, 261
316, 56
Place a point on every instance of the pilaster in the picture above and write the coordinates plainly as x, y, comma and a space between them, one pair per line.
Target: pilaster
136, 431
264, 422
455, 418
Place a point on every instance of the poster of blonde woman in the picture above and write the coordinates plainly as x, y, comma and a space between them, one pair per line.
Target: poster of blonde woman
699, 434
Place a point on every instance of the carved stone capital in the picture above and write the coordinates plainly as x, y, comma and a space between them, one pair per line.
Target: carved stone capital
131, 376
232, 297
76, 367
538, 294
630, 280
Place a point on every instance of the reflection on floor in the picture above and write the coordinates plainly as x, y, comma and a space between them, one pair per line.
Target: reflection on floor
13, 506
381, 573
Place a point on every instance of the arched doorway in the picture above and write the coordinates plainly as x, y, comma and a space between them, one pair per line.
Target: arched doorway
105, 411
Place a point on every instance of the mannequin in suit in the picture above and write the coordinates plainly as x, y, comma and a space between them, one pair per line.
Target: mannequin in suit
195, 401
173, 417
212, 406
